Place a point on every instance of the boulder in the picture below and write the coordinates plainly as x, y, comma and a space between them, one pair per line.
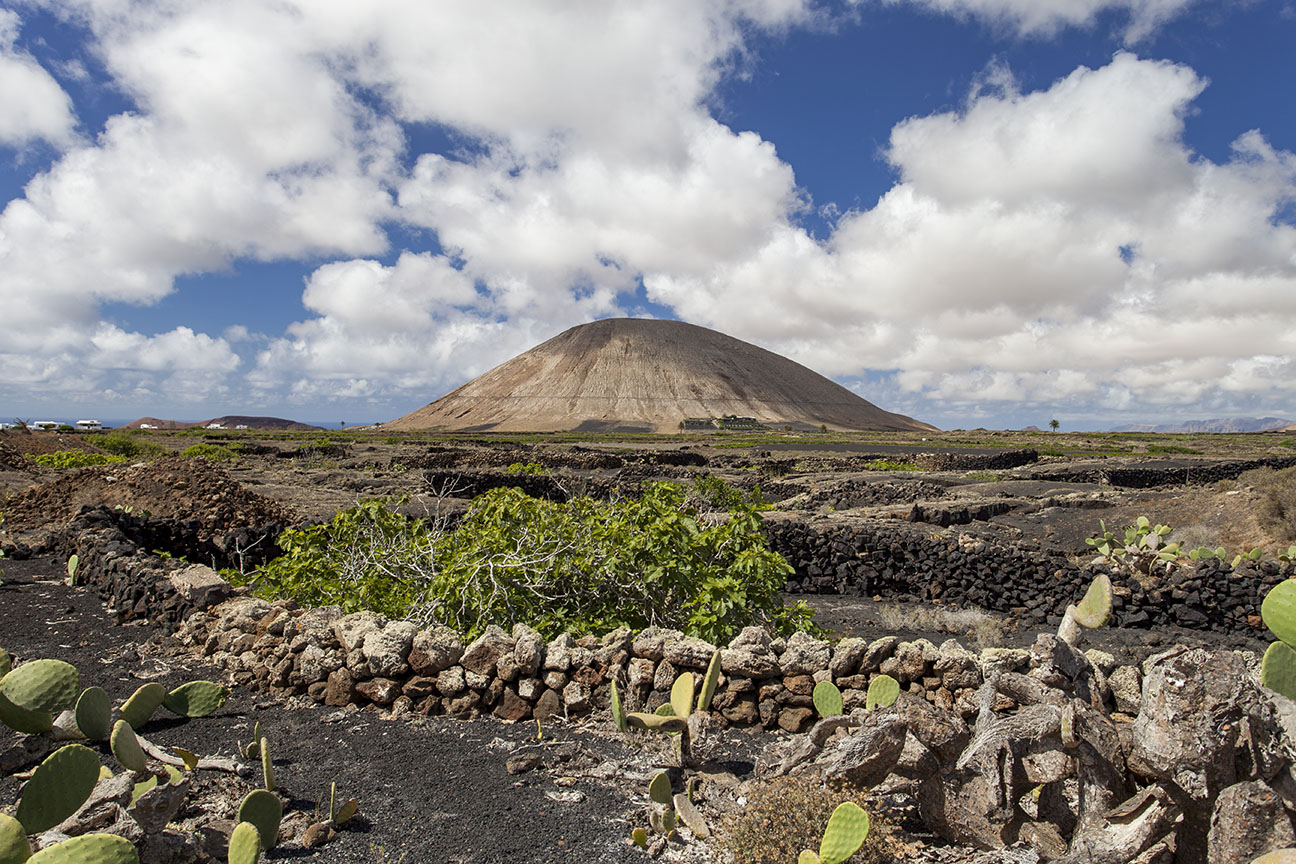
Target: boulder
1249, 820
434, 650
351, 630
482, 656
385, 649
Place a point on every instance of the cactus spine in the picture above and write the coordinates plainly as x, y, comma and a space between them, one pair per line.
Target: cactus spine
88, 849
244, 844
94, 713
263, 810
14, 848
883, 691
195, 699
42, 685
58, 787
827, 699
142, 703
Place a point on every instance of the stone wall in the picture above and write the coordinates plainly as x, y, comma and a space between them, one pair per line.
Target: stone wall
1147, 477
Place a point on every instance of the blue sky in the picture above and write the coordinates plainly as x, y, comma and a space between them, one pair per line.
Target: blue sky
977, 212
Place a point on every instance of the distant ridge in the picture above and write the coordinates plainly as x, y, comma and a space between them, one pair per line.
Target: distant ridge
229, 422
1217, 425
644, 375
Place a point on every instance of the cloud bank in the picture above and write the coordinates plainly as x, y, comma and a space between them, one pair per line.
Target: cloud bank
1062, 246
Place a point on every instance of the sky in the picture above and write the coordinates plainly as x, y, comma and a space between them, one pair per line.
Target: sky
975, 212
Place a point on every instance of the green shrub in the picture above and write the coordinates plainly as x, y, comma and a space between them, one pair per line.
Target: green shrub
128, 444
582, 566
715, 494
212, 452
786, 815
526, 468
75, 459
891, 465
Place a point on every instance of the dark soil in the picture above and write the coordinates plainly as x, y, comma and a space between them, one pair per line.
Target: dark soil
429, 790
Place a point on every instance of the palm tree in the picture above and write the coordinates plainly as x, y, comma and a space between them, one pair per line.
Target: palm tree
1054, 424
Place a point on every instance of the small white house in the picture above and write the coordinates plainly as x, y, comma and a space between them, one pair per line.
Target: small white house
43, 425
214, 426
147, 426
88, 425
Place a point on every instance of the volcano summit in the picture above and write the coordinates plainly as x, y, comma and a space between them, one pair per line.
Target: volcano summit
643, 375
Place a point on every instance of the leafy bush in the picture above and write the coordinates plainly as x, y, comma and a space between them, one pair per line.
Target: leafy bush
212, 452
715, 494
786, 815
75, 459
582, 566
128, 444
891, 465
527, 468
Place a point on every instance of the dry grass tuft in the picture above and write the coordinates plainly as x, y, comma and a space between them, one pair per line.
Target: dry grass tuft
788, 814
986, 629
1277, 505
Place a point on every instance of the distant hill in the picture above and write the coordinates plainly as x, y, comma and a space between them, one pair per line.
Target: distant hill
635, 374
229, 421
1219, 424
1032, 429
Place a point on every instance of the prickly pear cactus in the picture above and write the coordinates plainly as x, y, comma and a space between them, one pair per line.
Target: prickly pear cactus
1278, 856
244, 844
58, 787
618, 711
656, 722
827, 699
88, 849
659, 788
142, 703
847, 830
14, 848
690, 816
1278, 669
22, 720
346, 811
126, 748
807, 857
263, 810
267, 767
682, 695
1278, 609
640, 838
42, 685
6, 662
709, 683
1095, 608
195, 699
883, 691
94, 713
72, 568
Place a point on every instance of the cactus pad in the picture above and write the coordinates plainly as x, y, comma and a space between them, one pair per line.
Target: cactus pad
195, 699
267, 767
1278, 669
14, 848
656, 722
659, 788
689, 815
1096, 606
709, 682
142, 703
88, 849
847, 830
618, 711
1278, 609
58, 787
6, 662
22, 720
827, 699
807, 857
42, 685
94, 714
72, 568
682, 695
1278, 856
640, 838
126, 748
263, 810
882, 693
244, 844
346, 811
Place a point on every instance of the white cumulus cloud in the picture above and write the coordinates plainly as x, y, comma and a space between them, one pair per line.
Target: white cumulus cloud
35, 106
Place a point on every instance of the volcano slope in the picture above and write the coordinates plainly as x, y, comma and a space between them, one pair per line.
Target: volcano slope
631, 374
